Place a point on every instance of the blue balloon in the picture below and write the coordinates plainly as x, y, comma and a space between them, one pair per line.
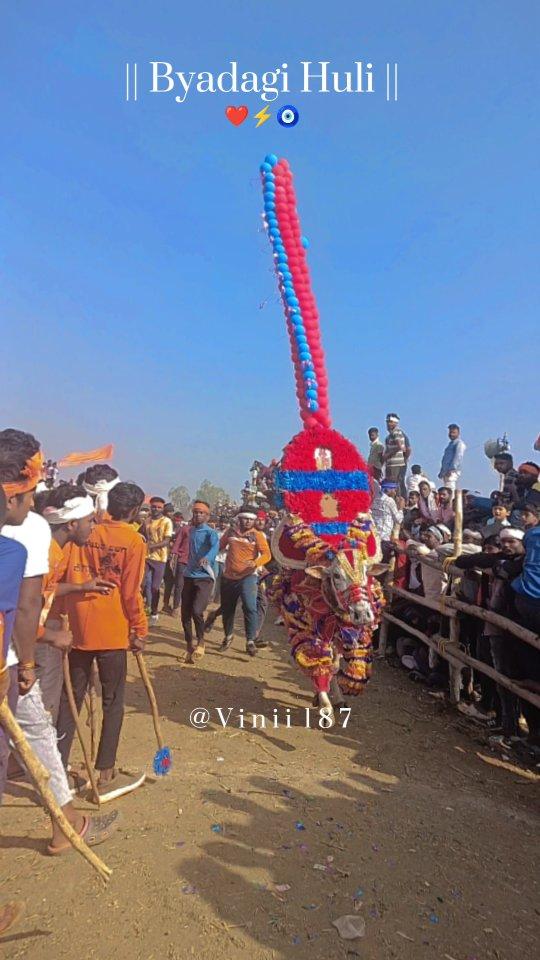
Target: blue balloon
293, 301
308, 375
271, 159
266, 167
272, 222
303, 354
313, 405
305, 243
270, 177
274, 232
269, 187
311, 393
282, 257
278, 247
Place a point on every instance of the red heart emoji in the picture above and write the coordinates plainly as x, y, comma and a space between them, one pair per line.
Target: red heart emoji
236, 115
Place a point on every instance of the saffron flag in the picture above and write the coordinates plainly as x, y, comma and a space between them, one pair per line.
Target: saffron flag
90, 456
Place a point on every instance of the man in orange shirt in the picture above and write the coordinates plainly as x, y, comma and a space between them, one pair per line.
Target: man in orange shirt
248, 551
70, 513
105, 626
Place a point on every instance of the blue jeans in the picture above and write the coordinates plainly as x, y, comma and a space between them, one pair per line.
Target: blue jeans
246, 591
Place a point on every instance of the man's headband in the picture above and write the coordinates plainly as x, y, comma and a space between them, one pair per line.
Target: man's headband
100, 486
30, 477
76, 509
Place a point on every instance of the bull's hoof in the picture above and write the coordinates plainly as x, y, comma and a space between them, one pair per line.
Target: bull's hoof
336, 695
326, 711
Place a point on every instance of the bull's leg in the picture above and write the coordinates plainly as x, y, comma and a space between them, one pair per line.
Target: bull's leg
336, 695
321, 682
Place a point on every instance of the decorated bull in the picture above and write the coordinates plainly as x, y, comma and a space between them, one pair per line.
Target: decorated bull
326, 543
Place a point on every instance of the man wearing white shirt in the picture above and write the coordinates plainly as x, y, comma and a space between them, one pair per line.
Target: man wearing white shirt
21, 465
415, 478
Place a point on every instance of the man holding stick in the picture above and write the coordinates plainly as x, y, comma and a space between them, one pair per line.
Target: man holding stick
20, 470
104, 627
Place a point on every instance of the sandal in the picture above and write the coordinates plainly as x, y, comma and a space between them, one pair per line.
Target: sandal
95, 830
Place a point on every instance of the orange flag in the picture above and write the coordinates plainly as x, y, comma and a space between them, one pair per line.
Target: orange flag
91, 456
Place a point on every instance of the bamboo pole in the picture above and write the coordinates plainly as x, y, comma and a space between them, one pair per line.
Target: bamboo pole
423, 601
40, 776
455, 654
151, 698
93, 712
78, 727
458, 523
499, 621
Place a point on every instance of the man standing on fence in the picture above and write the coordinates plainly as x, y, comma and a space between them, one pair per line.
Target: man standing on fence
452, 458
397, 450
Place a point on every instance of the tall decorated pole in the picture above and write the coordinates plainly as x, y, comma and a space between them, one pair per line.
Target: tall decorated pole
324, 479
325, 543
301, 312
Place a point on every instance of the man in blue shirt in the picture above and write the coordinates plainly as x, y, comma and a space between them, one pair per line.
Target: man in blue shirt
452, 458
12, 562
527, 600
199, 578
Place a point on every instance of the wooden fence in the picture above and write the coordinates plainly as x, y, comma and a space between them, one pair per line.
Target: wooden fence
452, 649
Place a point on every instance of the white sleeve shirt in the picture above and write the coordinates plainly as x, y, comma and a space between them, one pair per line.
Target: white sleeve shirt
34, 534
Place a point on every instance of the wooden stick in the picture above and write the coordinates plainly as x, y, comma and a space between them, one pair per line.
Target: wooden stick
422, 601
455, 655
458, 523
151, 698
78, 727
40, 777
93, 712
507, 626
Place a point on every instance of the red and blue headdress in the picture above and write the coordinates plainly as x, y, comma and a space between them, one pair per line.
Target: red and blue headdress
323, 478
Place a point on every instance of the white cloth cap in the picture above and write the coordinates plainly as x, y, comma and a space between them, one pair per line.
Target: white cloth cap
75, 509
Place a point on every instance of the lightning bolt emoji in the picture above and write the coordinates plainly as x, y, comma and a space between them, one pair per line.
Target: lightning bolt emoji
262, 116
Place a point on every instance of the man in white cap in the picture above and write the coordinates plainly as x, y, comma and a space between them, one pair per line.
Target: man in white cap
248, 552
397, 450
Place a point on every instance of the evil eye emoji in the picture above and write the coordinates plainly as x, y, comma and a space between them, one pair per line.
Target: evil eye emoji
288, 116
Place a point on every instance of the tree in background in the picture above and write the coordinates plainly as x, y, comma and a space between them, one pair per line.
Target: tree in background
181, 498
211, 493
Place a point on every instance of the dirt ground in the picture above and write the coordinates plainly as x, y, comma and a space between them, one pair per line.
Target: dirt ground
259, 839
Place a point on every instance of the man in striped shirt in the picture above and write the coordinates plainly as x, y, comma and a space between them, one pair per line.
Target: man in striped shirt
396, 453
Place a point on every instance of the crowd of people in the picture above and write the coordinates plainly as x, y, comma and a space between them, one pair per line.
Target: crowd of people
499, 554
86, 564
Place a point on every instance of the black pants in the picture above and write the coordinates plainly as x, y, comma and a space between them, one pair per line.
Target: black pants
174, 583
112, 668
196, 595
527, 658
507, 709
487, 685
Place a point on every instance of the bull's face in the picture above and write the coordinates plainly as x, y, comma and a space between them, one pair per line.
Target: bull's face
345, 583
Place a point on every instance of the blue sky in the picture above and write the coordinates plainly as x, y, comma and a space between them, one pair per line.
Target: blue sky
133, 266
